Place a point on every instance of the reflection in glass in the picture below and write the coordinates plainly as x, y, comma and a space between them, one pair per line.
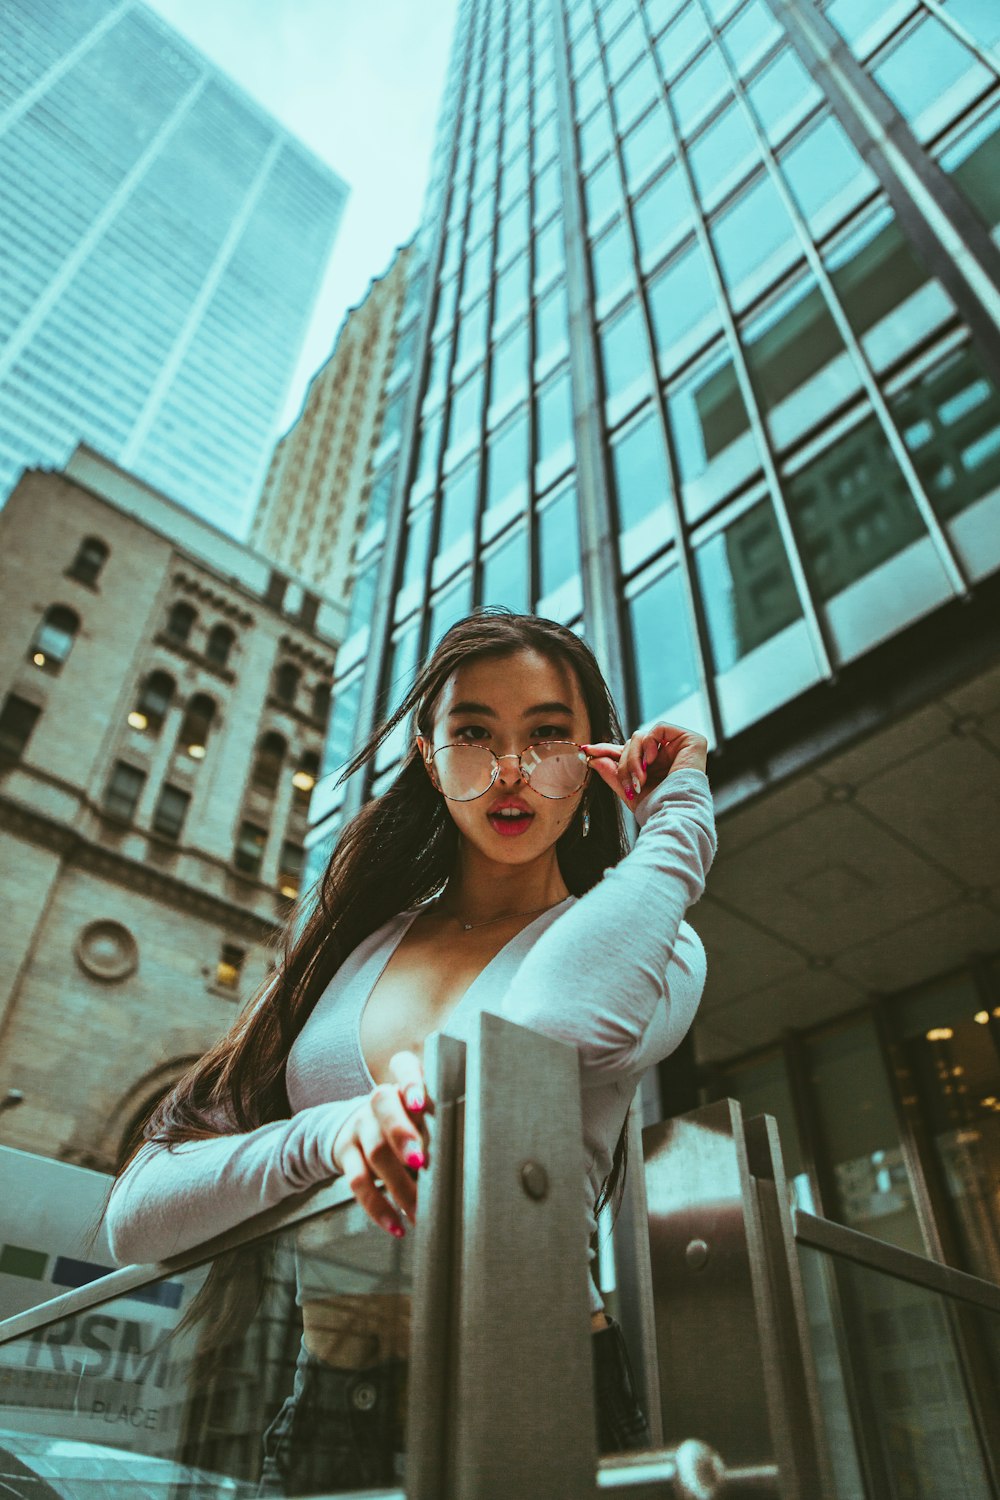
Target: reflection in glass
783, 93
507, 466
666, 676
746, 585
639, 465
950, 423
558, 542
754, 240
458, 505
505, 573
707, 421
974, 164
875, 273
681, 300
624, 355
662, 216
851, 510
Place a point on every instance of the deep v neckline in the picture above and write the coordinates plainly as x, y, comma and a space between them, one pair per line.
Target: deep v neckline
395, 941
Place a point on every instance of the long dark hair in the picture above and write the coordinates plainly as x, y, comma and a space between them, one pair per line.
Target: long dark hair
397, 851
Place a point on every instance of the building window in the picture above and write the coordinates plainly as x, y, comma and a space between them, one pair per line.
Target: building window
304, 778
195, 726
321, 702
121, 797
180, 620
171, 810
268, 762
249, 851
229, 969
276, 586
90, 558
18, 718
290, 869
53, 640
220, 644
309, 610
153, 703
286, 682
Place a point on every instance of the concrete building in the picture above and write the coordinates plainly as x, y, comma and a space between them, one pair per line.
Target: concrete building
707, 367
163, 697
164, 241
318, 486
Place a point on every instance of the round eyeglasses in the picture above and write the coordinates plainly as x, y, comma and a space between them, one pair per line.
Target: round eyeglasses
553, 768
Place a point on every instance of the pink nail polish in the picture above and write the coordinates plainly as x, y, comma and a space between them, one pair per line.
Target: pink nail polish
628, 793
415, 1158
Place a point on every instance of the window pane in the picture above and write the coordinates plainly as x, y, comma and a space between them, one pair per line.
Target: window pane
558, 542
624, 353
589, 91
851, 510
884, 290
472, 333
699, 91
508, 460
755, 241
662, 216
826, 175
645, 147
750, 35
458, 505
551, 324
123, 790
451, 607
721, 156
680, 43
512, 231
603, 193
17, 720
783, 93
950, 421
929, 64
554, 418
477, 270
343, 724
746, 585
249, 850
596, 138
362, 598
611, 257
505, 573
510, 367
799, 362
667, 675
712, 441
548, 192
624, 49
418, 538
466, 412
681, 298
171, 809
635, 94
512, 291
639, 463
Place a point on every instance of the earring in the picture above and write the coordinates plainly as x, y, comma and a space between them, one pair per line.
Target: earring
586, 821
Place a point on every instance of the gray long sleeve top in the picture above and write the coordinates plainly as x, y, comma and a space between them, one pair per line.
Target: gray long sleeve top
618, 972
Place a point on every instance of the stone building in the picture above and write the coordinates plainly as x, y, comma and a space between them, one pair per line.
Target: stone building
163, 697
315, 498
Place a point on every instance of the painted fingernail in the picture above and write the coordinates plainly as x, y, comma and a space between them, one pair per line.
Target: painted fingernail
629, 793
636, 785
415, 1158
415, 1099
394, 1229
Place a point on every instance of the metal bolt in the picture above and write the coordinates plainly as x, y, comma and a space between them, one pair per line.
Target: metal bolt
696, 1255
534, 1179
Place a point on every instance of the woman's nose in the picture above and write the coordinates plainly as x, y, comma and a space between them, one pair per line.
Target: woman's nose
510, 768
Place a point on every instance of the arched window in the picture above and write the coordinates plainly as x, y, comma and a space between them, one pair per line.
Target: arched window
180, 620
195, 726
153, 702
268, 762
304, 778
321, 701
220, 643
286, 682
53, 640
91, 555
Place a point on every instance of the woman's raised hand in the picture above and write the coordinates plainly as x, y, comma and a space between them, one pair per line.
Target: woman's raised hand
380, 1149
648, 758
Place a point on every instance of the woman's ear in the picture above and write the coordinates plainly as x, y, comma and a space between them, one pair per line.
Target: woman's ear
426, 751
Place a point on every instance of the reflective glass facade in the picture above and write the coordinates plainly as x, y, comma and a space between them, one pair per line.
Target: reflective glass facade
163, 243
690, 354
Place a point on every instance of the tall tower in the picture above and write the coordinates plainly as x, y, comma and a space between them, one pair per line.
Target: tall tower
707, 367
163, 244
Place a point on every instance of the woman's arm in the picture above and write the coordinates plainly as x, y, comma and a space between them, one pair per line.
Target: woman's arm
170, 1199
620, 973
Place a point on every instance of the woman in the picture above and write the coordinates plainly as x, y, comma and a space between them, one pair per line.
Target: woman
492, 873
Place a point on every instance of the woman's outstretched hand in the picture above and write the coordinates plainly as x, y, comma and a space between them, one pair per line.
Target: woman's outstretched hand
648, 758
380, 1149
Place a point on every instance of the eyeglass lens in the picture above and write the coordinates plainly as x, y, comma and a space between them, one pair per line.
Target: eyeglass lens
554, 769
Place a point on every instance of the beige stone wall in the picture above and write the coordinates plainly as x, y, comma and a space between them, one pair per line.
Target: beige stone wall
312, 507
86, 1045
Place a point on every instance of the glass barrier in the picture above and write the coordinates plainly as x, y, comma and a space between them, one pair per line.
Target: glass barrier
280, 1369
894, 1397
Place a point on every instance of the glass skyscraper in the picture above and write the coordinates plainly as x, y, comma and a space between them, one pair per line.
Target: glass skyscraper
163, 243
701, 356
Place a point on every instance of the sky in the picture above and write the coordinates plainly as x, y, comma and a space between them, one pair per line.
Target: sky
360, 85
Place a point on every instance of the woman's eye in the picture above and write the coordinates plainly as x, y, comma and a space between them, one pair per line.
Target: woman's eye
552, 732
468, 730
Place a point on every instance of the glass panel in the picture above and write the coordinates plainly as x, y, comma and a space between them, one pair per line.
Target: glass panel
826, 175
472, 335
510, 368
723, 155
548, 192
861, 1144
624, 49
624, 355
851, 510
636, 93
513, 231
140, 1396
662, 216
981, 19
666, 676
554, 427
449, 608
511, 292
551, 324
596, 138
418, 540
876, 276
639, 464
589, 91
682, 305
603, 193
746, 586
974, 164
397, 684
755, 241
611, 258
905, 1368
477, 271
466, 412
930, 67
558, 542
505, 573
782, 94
763, 1087
550, 253
950, 422
645, 147
712, 441
750, 35
508, 460
458, 505
696, 94
680, 43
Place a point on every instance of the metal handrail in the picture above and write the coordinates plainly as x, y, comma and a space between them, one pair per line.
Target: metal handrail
904, 1265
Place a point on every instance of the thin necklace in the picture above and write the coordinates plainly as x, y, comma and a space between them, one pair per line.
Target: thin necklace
470, 926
